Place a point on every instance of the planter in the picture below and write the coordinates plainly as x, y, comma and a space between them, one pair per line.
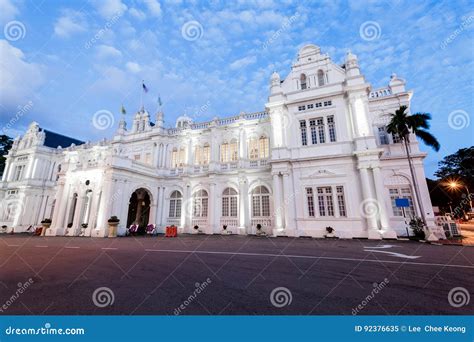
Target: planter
113, 229
45, 228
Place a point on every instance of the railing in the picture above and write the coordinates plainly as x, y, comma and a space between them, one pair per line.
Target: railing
265, 222
256, 163
201, 168
200, 222
171, 221
229, 166
382, 92
229, 222
256, 116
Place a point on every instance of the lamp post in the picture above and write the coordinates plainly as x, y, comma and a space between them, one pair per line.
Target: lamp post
454, 185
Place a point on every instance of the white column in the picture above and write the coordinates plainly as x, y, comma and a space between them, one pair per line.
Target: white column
277, 207
212, 219
380, 197
186, 209
60, 207
369, 203
289, 204
6, 170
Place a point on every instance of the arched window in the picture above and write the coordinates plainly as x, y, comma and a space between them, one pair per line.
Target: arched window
259, 148
72, 211
202, 154
175, 204
303, 81
321, 80
229, 203
200, 203
229, 151
260, 202
174, 158
178, 157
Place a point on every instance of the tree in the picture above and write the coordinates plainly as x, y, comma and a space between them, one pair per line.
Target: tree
458, 165
5, 145
402, 124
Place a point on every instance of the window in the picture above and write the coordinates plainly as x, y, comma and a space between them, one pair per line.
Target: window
318, 105
175, 204
136, 157
202, 154
148, 158
304, 138
310, 106
310, 201
263, 147
332, 128
383, 135
260, 202
341, 203
396, 138
301, 108
182, 156
303, 81
19, 172
229, 152
200, 203
177, 157
320, 78
314, 135
322, 136
403, 192
327, 103
229, 203
326, 207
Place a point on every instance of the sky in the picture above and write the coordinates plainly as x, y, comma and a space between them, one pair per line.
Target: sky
66, 63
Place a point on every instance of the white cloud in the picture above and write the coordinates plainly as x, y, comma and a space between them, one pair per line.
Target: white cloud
133, 67
154, 7
71, 22
243, 62
109, 8
9, 11
107, 52
20, 79
137, 14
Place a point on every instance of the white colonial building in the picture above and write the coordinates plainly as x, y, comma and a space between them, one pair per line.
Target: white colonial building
317, 156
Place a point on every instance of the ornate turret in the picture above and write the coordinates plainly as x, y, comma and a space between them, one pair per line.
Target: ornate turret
352, 64
275, 84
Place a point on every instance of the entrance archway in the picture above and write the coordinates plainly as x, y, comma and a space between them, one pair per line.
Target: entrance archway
139, 209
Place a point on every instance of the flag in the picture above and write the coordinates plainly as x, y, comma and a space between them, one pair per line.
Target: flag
123, 110
159, 101
145, 89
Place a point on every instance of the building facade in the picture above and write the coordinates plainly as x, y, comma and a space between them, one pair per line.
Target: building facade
318, 156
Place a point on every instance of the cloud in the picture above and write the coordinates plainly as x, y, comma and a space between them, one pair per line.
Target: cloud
133, 67
137, 14
9, 11
20, 79
107, 52
154, 7
243, 62
70, 23
109, 8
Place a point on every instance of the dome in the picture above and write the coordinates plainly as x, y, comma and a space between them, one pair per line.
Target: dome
308, 50
183, 121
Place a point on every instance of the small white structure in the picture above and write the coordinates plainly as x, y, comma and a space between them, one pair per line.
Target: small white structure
319, 155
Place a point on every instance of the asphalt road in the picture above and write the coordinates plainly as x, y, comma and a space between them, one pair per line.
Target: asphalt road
229, 275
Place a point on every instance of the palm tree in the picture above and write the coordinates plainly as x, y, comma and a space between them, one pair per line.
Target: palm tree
402, 124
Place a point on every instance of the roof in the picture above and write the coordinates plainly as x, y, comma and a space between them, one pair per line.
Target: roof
54, 140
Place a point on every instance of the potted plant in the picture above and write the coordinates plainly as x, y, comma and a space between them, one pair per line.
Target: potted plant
418, 228
330, 232
84, 225
45, 223
259, 229
113, 222
4, 228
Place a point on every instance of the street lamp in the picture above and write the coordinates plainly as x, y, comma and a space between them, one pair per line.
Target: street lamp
454, 185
